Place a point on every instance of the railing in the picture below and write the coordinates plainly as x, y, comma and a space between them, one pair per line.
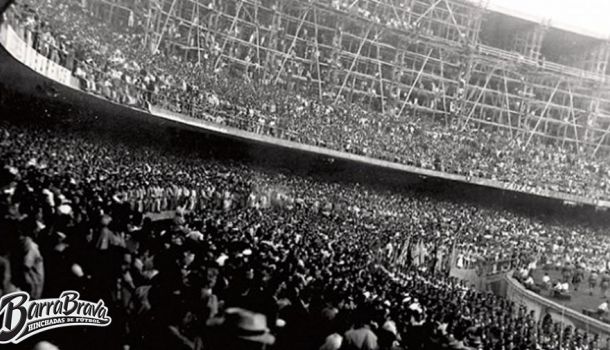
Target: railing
234, 119
550, 66
41, 64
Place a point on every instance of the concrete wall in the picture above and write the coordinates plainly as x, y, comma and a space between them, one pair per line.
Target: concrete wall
541, 306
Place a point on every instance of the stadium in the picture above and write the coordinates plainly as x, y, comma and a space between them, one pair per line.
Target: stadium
303, 174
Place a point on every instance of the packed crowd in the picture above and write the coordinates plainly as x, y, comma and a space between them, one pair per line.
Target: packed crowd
257, 258
115, 63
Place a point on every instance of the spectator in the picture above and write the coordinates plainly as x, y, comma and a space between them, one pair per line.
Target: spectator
546, 280
242, 330
602, 309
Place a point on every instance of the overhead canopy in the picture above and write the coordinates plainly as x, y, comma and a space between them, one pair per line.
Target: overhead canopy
584, 17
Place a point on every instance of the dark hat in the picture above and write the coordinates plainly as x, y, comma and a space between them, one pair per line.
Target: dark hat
244, 324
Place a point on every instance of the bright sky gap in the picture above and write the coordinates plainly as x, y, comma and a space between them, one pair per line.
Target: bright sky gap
589, 17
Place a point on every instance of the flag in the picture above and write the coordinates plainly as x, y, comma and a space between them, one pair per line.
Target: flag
402, 257
452, 256
389, 250
438, 263
416, 253
433, 256
410, 253
423, 252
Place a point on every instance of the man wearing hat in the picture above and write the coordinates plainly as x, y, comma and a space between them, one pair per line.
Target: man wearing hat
388, 336
361, 337
240, 329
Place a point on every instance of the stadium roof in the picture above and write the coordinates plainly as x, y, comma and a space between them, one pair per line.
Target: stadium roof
584, 17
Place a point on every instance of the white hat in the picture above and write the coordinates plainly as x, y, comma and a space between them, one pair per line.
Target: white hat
221, 259
195, 235
44, 345
77, 270
64, 209
390, 326
416, 307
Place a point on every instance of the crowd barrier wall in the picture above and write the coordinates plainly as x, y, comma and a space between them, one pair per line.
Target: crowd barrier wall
485, 275
517, 293
163, 113
28, 56
470, 276
20, 51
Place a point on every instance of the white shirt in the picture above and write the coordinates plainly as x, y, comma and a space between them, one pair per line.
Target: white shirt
524, 272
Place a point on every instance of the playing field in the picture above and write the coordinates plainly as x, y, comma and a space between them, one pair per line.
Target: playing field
581, 299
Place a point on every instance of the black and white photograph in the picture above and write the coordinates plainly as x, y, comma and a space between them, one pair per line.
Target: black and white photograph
305, 174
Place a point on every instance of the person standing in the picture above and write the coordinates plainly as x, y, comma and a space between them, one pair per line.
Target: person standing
360, 337
593, 281
605, 284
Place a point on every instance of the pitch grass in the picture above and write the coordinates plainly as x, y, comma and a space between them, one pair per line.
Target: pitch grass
581, 298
